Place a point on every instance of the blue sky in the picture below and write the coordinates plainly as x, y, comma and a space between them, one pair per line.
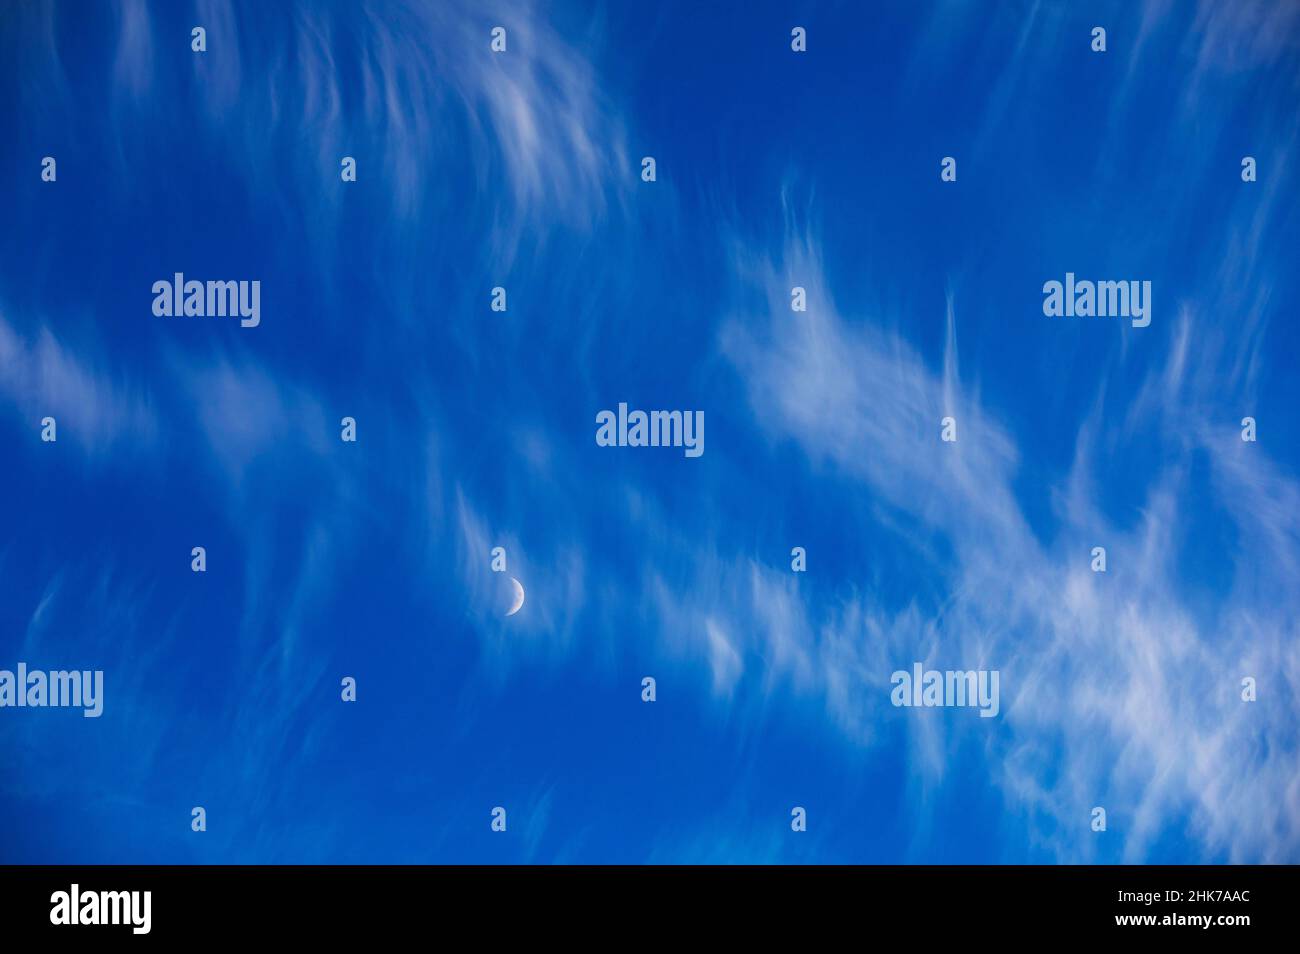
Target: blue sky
476, 429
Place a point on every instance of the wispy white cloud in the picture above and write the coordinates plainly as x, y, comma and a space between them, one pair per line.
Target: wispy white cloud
409, 89
95, 407
1116, 691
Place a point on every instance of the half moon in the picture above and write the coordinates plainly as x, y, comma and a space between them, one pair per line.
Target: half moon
519, 597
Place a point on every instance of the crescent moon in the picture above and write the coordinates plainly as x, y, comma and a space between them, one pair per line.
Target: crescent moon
519, 597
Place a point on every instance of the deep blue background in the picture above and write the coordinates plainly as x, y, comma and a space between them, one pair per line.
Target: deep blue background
476, 429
